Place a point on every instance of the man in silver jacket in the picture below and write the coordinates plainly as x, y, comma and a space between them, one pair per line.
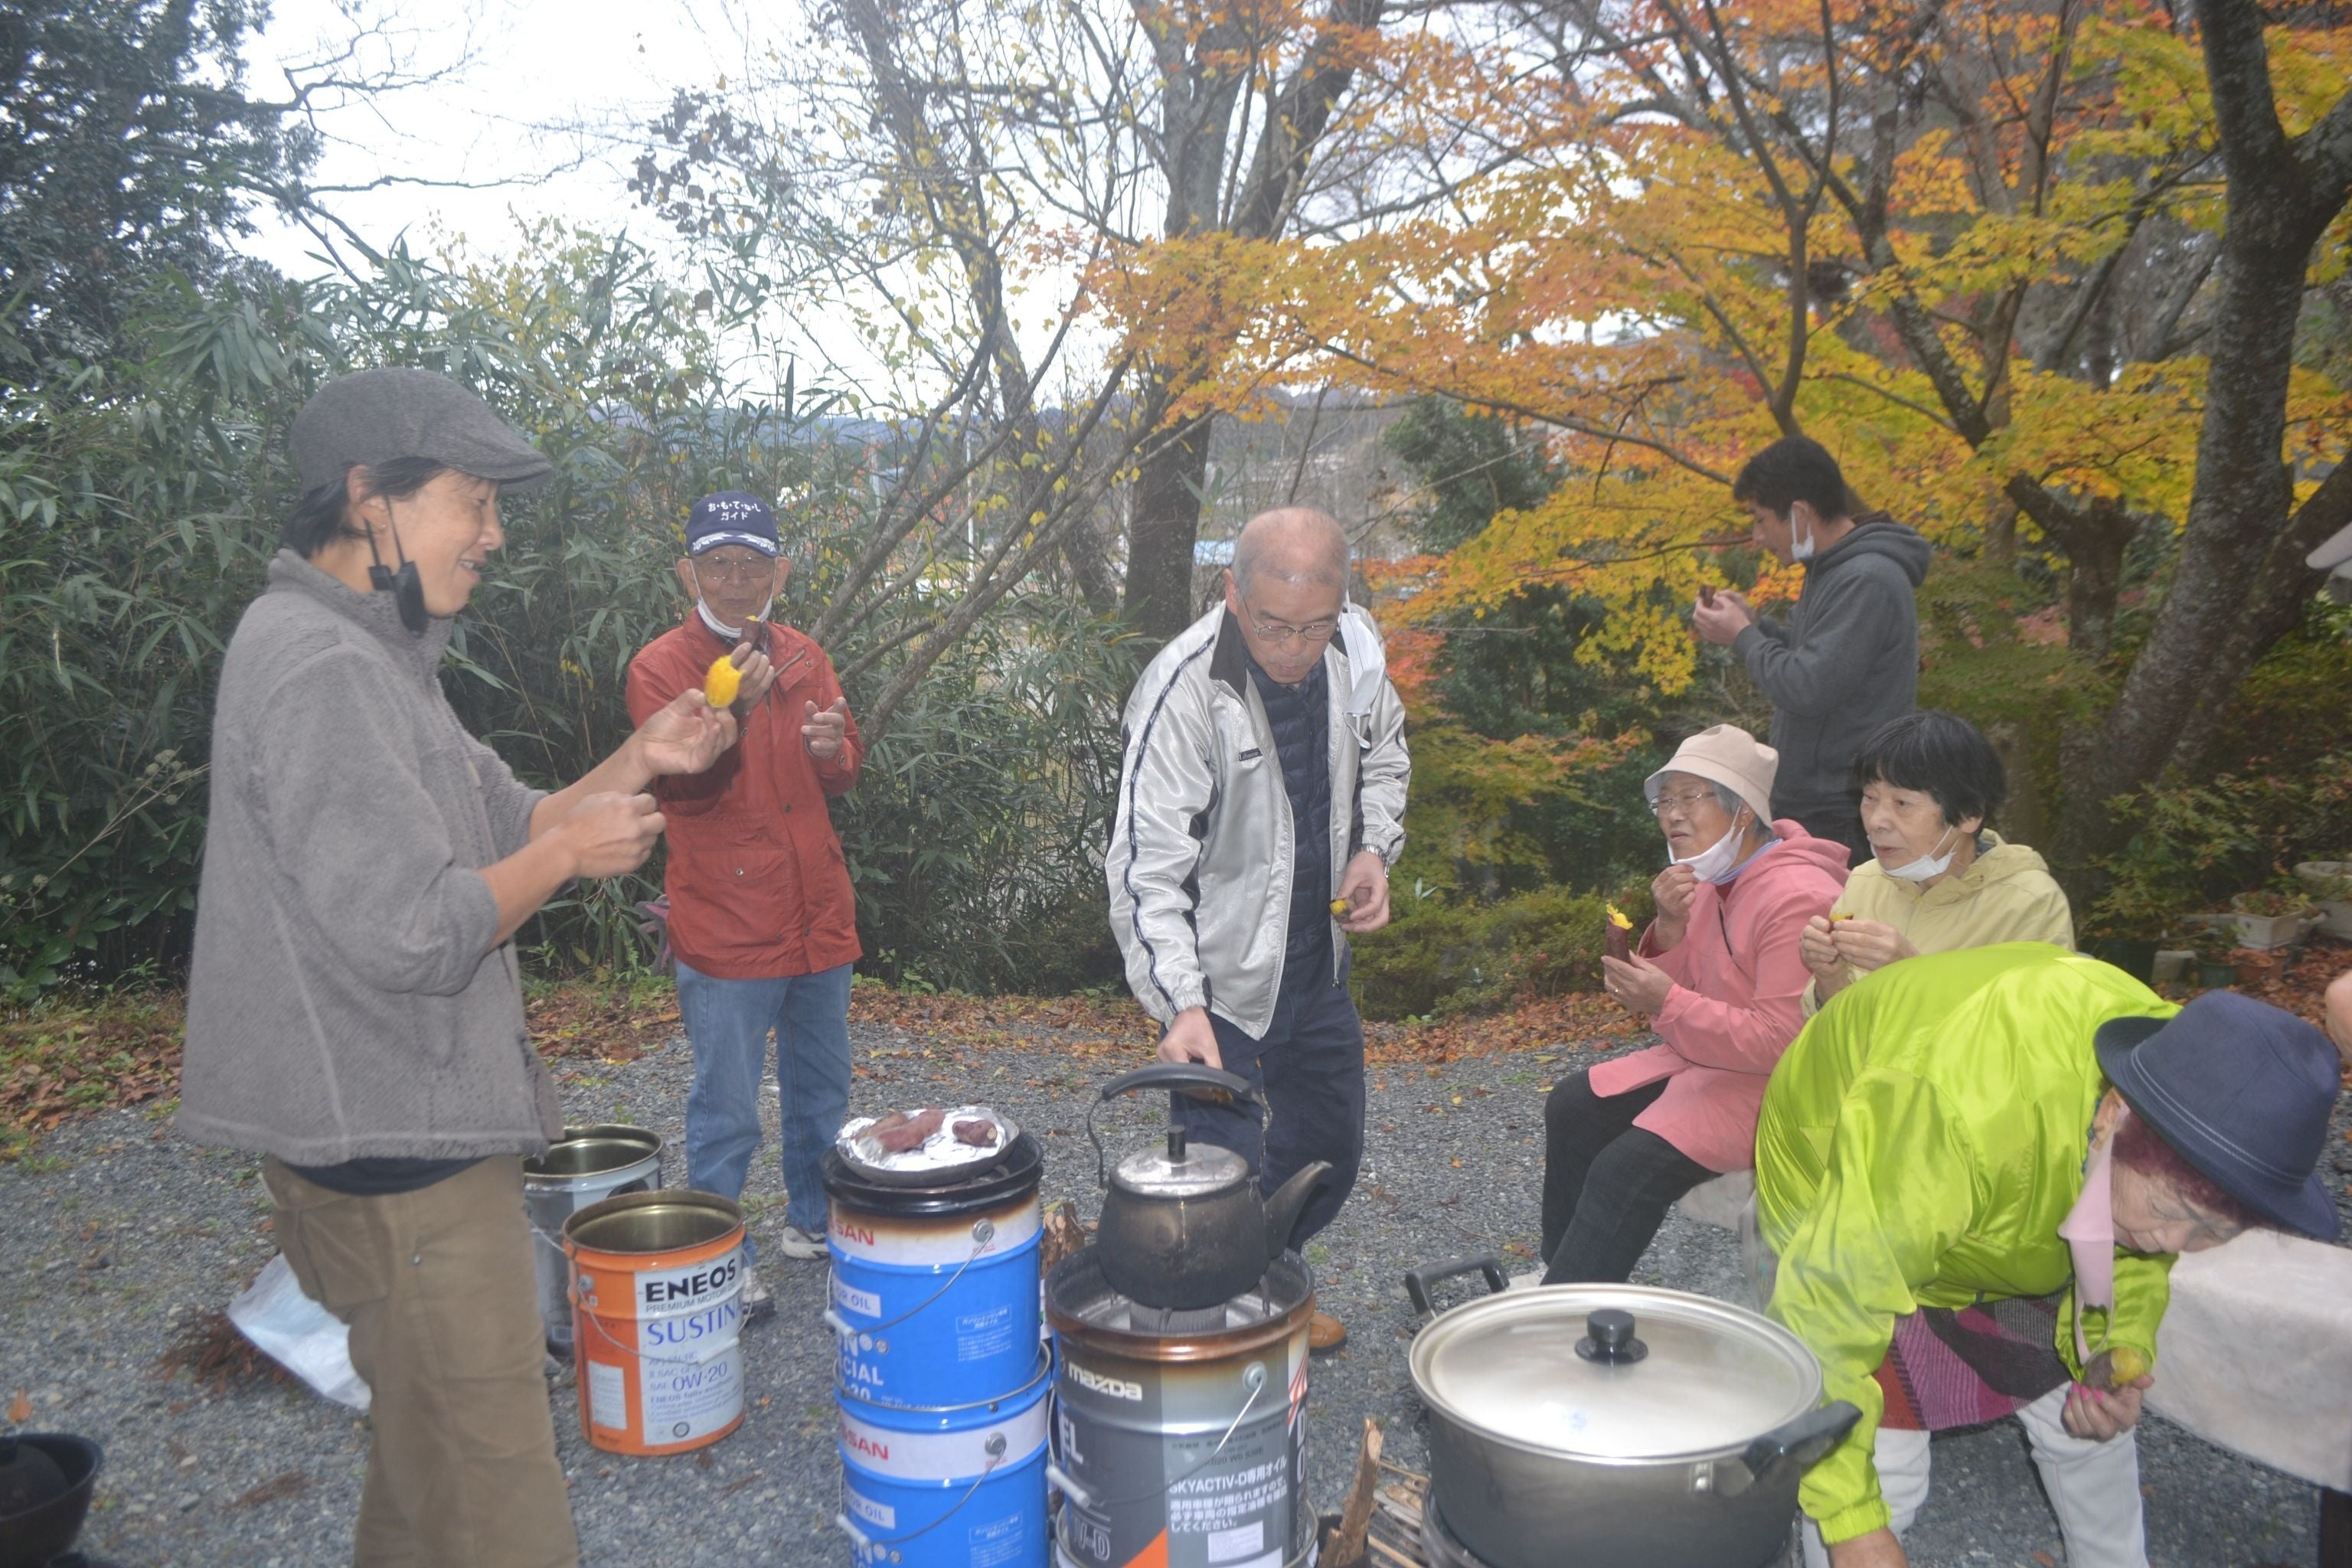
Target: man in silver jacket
1260, 806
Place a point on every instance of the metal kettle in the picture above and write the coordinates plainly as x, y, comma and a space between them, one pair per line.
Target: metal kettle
1182, 1226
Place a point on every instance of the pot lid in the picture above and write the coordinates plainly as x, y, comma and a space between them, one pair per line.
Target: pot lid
1179, 1170
1615, 1371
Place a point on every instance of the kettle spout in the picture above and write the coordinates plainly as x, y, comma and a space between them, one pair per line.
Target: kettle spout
1282, 1210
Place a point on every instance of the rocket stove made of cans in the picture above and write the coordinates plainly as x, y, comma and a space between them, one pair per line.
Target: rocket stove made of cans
942, 1385
1180, 1435
1180, 1336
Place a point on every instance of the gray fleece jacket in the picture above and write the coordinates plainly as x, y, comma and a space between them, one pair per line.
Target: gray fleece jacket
345, 1001
1846, 662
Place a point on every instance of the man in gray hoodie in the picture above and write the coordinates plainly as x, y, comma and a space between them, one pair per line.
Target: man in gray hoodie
1847, 659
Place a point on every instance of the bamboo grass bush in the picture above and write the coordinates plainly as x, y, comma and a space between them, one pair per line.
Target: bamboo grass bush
140, 502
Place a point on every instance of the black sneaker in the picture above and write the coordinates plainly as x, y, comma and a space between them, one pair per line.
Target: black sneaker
797, 1243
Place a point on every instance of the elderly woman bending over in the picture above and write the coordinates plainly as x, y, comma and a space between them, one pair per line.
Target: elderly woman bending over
1939, 879
1718, 973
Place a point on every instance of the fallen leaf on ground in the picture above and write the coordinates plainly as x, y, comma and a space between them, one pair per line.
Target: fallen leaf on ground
281, 1486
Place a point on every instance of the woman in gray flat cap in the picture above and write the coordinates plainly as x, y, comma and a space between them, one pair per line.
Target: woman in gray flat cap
354, 1011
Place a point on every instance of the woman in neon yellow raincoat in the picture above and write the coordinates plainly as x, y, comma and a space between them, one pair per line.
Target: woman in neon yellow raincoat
1927, 1137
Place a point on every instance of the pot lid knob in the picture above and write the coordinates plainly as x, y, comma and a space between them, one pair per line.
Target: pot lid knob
1609, 1337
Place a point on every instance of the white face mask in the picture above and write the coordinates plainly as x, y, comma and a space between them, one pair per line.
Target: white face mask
1717, 862
1926, 866
1800, 549
731, 633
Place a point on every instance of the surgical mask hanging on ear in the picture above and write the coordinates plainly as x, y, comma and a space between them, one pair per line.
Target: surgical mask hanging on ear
2089, 1232
406, 588
702, 608
733, 634
1800, 549
1926, 866
1717, 861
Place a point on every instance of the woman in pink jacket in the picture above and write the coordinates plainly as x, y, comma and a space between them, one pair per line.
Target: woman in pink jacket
1719, 973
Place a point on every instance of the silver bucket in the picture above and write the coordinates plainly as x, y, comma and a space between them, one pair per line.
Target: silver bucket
588, 1165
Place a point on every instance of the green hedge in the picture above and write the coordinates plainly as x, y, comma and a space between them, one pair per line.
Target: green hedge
1437, 959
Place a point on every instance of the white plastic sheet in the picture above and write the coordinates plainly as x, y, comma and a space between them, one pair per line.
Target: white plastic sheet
2255, 1353
298, 1334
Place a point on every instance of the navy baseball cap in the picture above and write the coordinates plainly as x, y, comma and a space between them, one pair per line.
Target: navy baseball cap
730, 517
2244, 1090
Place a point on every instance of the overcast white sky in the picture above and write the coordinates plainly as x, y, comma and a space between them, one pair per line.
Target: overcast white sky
524, 71
537, 109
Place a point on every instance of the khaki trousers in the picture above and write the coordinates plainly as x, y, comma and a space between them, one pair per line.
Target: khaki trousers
438, 1289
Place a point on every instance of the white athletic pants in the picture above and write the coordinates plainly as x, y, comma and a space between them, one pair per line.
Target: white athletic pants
2094, 1486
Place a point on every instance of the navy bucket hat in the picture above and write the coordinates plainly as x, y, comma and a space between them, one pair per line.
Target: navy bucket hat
2244, 1090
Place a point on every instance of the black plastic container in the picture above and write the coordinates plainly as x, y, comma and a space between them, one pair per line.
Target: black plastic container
31, 1536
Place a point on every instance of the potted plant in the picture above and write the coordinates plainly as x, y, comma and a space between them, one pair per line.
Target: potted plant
2330, 885
2176, 961
2127, 921
2268, 917
2217, 958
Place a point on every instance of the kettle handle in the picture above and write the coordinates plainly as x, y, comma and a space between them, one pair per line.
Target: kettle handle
1174, 1077
1180, 1076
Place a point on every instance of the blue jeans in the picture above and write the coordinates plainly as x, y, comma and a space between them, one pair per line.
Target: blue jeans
728, 1022
1309, 1071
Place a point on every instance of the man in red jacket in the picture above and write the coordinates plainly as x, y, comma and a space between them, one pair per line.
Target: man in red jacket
761, 916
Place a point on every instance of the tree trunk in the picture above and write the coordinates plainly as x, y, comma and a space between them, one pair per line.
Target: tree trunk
2000, 534
1166, 522
2236, 509
2274, 607
2094, 559
1200, 90
2094, 535
2025, 818
1090, 572
2280, 198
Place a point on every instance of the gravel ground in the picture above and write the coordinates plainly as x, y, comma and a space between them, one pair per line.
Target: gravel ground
114, 1232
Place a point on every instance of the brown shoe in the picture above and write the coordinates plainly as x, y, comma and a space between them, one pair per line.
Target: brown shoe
1326, 1333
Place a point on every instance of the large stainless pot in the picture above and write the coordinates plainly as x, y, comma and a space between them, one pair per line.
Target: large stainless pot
1616, 1424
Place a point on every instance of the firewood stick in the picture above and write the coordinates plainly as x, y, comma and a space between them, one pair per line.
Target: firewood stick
1347, 1548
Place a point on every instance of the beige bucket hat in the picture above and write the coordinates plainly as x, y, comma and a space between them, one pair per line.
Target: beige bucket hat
1728, 755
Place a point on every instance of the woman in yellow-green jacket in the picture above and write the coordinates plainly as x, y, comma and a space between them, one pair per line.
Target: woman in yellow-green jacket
1939, 878
1970, 1130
